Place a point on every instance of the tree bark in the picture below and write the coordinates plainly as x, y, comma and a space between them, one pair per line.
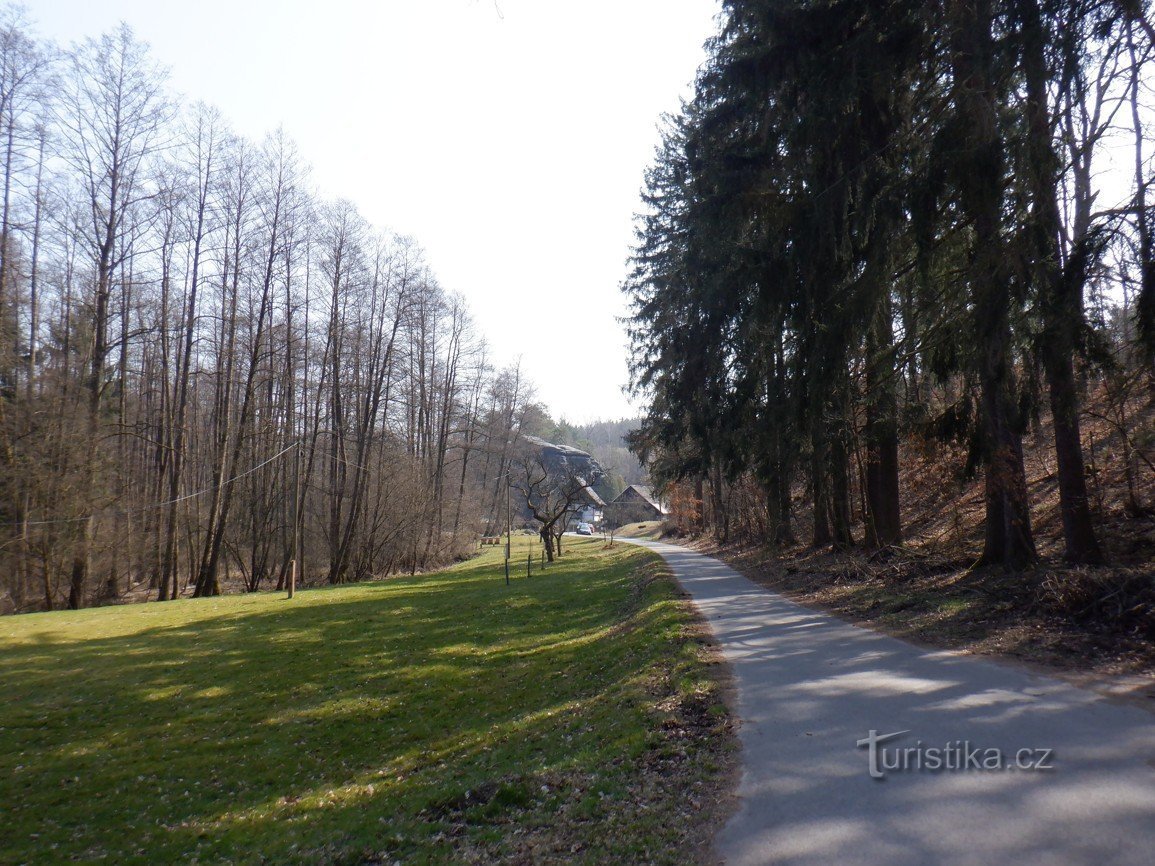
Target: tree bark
883, 517
1062, 298
820, 491
981, 173
843, 537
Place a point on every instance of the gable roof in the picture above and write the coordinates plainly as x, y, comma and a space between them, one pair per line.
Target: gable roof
591, 494
644, 492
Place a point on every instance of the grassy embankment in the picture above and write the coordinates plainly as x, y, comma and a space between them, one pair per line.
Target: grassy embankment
574, 715
650, 530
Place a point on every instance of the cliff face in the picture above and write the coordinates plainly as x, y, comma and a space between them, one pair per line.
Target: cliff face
565, 459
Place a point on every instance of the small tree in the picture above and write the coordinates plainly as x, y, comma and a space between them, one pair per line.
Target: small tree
610, 527
553, 482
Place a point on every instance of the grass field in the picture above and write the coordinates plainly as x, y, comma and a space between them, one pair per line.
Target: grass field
448, 718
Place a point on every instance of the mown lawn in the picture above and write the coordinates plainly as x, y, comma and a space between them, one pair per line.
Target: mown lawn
447, 718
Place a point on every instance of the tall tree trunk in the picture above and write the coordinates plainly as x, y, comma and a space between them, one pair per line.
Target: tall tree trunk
205, 583
839, 453
34, 270
8, 118
81, 561
1145, 302
721, 516
205, 156
1061, 297
781, 462
981, 171
883, 519
820, 488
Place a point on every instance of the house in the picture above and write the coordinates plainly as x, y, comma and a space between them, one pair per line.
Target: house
635, 504
590, 510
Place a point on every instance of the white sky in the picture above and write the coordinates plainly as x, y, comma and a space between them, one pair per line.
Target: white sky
508, 138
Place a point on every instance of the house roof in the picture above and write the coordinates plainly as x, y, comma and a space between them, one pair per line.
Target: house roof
645, 493
592, 495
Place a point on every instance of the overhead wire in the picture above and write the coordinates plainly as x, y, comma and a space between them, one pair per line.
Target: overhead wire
141, 508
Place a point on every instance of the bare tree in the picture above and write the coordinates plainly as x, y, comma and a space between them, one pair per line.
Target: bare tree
275, 205
553, 481
112, 119
224, 374
200, 152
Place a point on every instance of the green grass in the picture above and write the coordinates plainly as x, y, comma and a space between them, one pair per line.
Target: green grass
427, 720
651, 530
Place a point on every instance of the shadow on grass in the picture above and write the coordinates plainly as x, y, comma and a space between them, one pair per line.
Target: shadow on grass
316, 729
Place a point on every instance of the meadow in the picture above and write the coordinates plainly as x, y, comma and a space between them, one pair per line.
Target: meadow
575, 714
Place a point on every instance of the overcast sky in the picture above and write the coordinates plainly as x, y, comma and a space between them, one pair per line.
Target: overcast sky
508, 138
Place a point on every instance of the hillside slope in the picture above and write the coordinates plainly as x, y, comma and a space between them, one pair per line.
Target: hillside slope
1077, 618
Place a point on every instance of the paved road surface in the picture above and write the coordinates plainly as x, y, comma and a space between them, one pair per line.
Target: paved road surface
810, 687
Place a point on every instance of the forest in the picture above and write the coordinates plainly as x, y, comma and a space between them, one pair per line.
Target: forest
209, 372
887, 241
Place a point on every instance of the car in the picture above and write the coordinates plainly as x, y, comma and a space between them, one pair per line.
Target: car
585, 529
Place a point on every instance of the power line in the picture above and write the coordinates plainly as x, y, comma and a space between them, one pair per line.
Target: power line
127, 511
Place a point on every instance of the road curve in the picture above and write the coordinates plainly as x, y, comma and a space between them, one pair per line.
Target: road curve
811, 687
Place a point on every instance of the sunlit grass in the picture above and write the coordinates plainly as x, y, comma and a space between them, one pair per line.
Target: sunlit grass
349, 724
650, 529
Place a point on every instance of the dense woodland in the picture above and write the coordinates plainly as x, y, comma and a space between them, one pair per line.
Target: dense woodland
892, 235
208, 370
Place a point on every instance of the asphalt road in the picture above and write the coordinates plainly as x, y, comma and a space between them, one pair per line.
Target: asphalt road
810, 688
